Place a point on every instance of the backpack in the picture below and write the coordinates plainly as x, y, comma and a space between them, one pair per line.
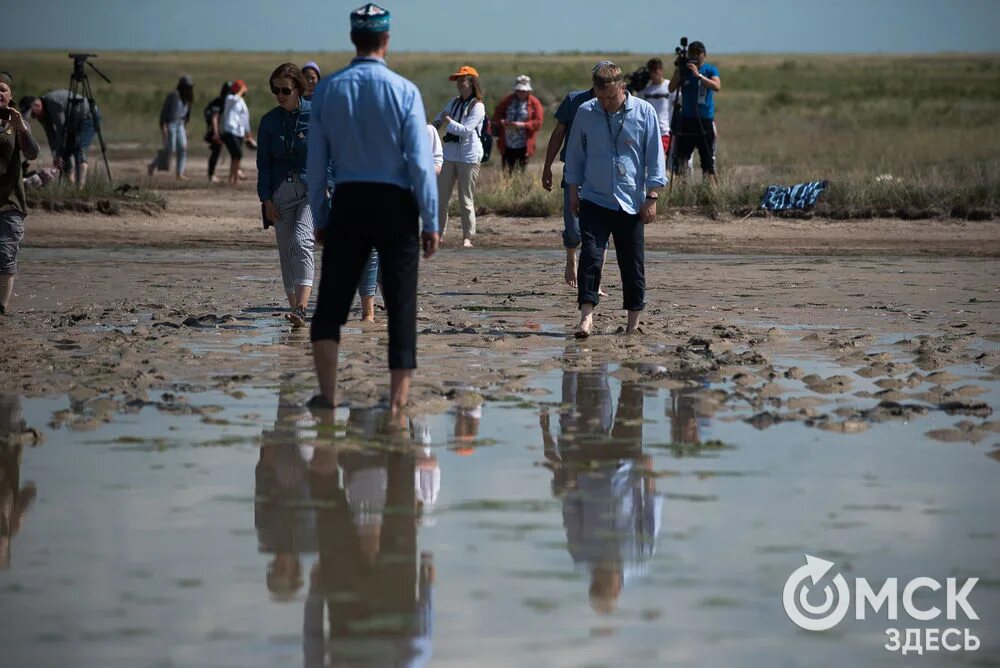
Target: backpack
214, 107
486, 138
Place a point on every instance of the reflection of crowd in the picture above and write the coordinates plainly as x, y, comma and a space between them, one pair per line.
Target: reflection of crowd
611, 509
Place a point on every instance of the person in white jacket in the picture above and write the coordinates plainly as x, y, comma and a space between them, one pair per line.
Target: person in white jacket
436, 149
236, 128
462, 120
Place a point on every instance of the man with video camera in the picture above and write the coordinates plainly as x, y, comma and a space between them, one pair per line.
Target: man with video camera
698, 82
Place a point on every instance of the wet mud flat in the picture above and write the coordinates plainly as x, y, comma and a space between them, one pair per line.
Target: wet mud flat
618, 501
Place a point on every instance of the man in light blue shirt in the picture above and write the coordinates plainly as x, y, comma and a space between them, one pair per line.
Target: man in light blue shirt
368, 124
614, 151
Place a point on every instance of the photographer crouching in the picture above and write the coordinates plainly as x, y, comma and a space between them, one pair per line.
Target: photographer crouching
698, 82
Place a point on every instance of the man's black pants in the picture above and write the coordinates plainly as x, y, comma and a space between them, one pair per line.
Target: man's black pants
695, 133
365, 216
597, 223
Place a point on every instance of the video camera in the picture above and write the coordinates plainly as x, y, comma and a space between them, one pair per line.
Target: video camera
681, 61
638, 80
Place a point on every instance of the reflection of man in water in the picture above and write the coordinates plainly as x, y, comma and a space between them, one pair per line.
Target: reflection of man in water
14, 499
611, 510
376, 593
285, 524
686, 427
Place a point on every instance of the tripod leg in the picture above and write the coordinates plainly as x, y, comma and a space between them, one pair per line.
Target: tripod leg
96, 119
65, 152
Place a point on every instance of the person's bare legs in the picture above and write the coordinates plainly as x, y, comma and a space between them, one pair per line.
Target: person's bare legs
81, 174
586, 321
633, 322
399, 388
234, 171
6, 289
325, 359
368, 308
571, 267
302, 293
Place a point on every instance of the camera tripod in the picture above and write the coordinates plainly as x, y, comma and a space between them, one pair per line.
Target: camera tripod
80, 91
676, 118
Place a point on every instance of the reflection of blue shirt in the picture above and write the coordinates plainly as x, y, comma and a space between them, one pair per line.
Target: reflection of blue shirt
697, 99
612, 519
368, 124
616, 158
567, 112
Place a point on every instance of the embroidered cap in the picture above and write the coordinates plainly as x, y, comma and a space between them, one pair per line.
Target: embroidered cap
311, 65
523, 82
370, 18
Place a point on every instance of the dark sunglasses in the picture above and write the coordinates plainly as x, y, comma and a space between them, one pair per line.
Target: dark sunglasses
281, 91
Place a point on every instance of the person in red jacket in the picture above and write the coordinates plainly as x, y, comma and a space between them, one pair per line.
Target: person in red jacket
518, 118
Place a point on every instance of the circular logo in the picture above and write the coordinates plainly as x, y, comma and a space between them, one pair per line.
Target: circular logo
801, 583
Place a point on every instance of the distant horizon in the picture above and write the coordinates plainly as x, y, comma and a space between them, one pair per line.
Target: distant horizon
890, 27
900, 54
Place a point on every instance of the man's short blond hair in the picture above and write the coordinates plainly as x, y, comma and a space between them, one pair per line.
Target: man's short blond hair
606, 75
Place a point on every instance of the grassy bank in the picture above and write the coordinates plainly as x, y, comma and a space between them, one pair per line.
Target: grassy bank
99, 195
931, 122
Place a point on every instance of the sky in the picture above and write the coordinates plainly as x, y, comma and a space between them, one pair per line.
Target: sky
642, 26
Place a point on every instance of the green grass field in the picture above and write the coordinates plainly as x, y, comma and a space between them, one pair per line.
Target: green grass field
932, 122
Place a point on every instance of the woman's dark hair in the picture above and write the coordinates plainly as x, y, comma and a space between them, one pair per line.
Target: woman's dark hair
369, 41
291, 72
477, 90
654, 64
226, 89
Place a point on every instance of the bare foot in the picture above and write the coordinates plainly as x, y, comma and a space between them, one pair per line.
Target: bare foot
570, 268
586, 324
601, 292
467, 243
181, 177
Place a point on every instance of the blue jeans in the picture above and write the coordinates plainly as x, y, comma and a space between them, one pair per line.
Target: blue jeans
77, 154
571, 224
176, 141
369, 276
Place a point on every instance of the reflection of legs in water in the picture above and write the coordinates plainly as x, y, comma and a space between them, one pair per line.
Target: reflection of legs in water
605, 588
14, 499
683, 417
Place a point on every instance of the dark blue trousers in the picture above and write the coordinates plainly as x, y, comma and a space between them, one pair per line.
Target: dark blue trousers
597, 223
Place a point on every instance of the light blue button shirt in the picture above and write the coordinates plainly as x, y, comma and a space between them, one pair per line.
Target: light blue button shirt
368, 125
617, 157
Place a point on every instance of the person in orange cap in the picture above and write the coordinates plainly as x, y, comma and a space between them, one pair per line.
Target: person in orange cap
462, 119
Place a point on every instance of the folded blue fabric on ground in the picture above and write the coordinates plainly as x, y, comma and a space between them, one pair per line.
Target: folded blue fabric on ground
800, 196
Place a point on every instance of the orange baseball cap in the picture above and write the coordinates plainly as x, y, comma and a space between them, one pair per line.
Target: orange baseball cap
464, 71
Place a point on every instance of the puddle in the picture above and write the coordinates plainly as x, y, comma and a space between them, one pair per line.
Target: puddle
595, 520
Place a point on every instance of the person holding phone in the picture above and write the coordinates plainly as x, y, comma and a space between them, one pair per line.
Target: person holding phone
281, 185
16, 144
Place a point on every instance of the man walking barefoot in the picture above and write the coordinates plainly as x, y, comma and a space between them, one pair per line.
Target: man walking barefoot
614, 170
557, 147
368, 124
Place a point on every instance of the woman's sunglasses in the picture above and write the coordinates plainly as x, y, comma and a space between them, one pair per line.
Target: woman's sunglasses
281, 91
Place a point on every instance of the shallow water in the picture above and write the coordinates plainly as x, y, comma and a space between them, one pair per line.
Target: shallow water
589, 522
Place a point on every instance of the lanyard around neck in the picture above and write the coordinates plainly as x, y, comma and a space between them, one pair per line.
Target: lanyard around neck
615, 137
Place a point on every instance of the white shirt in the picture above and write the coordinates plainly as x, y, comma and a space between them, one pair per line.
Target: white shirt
469, 149
436, 150
236, 116
663, 101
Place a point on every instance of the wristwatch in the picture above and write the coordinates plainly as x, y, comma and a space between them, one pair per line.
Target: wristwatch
652, 196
